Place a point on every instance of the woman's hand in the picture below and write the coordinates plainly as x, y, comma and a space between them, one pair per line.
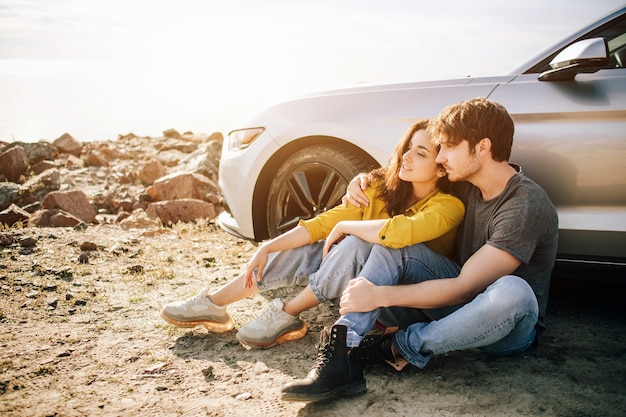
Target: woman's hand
257, 262
335, 236
359, 297
355, 194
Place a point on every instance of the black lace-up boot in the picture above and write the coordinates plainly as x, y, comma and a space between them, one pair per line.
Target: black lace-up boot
380, 348
336, 371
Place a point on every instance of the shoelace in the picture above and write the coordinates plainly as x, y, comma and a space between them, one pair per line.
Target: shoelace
196, 299
199, 298
323, 356
371, 350
269, 314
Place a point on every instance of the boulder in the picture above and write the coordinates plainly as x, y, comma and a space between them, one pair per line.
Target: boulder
67, 144
35, 151
37, 187
171, 157
151, 171
72, 162
96, 159
133, 221
184, 210
182, 185
53, 218
9, 193
74, 202
42, 166
171, 133
205, 160
14, 164
179, 145
13, 215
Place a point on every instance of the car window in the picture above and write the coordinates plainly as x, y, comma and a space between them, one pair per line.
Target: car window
617, 52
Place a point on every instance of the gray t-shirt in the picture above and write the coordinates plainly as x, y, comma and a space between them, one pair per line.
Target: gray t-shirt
522, 221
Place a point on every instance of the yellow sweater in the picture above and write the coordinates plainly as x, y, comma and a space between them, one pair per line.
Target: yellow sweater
432, 220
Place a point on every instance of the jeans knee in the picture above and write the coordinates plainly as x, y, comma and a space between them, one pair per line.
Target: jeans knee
354, 248
513, 295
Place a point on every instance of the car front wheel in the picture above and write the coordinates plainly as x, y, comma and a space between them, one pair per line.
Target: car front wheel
309, 182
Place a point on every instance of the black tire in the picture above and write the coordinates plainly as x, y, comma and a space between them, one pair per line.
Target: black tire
309, 182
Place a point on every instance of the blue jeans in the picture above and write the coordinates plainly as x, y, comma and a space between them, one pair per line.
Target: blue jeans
500, 320
304, 265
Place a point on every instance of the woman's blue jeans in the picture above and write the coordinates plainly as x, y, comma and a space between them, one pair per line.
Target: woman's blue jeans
304, 265
500, 320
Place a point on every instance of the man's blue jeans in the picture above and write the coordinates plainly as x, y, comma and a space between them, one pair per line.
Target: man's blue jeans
500, 320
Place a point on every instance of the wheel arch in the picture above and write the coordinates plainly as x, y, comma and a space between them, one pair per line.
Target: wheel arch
262, 187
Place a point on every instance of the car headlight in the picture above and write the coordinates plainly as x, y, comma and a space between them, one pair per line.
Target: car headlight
241, 139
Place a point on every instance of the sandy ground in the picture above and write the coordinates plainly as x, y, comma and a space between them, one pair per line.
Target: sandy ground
85, 339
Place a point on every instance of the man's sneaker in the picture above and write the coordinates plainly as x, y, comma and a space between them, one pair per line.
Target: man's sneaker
198, 310
272, 327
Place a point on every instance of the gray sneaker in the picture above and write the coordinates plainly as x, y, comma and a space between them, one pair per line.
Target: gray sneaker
198, 310
272, 327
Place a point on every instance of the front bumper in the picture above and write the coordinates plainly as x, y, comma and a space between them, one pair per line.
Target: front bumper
228, 223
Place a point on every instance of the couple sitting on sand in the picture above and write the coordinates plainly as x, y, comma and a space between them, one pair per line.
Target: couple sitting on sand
449, 247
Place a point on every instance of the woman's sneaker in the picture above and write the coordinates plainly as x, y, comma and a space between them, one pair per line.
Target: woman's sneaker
198, 310
272, 327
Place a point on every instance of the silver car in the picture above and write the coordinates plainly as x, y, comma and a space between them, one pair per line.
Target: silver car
293, 160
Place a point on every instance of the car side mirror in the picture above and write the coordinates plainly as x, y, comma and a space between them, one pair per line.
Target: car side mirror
586, 56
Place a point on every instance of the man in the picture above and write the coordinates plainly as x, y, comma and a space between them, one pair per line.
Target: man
492, 296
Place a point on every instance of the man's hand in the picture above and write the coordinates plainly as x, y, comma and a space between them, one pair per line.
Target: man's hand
355, 194
359, 297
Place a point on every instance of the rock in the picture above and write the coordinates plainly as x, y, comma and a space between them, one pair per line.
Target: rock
37, 187
138, 222
52, 301
72, 162
6, 239
171, 133
53, 218
88, 246
13, 215
260, 368
42, 166
38, 151
74, 202
14, 164
179, 145
67, 144
110, 153
183, 210
33, 207
63, 219
127, 137
205, 160
9, 193
182, 185
243, 396
124, 204
83, 258
150, 172
96, 159
28, 242
76, 180
171, 157
208, 372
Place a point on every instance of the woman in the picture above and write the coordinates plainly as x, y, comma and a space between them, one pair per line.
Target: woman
409, 207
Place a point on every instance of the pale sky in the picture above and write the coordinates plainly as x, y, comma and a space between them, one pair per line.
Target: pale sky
96, 69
